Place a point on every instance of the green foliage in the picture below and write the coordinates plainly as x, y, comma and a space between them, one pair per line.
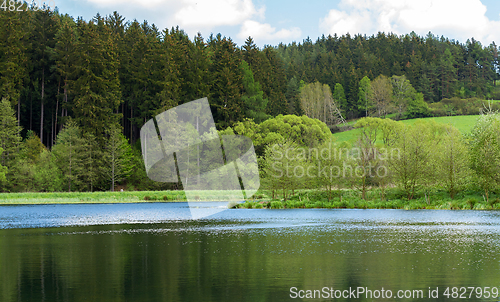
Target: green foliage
117, 157
95, 85
340, 99
302, 130
253, 96
284, 167
451, 161
365, 96
226, 86
403, 92
9, 133
67, 152
382, 92
3, 171
484, 144
416, 107
47, 176
412, 165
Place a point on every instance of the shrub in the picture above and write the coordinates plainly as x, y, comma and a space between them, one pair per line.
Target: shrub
276, 205
471, 202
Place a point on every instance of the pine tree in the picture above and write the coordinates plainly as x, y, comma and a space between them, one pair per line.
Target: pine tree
253, 96
226, 82
9, 133
365, 95
118, 157
13, 59
96, 85
67, 150
340, 99
63, 56
45, 28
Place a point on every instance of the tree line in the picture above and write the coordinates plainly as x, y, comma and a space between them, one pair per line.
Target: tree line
108, 76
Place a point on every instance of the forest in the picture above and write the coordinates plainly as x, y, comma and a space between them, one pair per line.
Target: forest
75, 93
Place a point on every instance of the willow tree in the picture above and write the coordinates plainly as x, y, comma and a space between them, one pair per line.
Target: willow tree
317, 102
381, 94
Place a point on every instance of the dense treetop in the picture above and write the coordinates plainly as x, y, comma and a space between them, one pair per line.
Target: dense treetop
106, 70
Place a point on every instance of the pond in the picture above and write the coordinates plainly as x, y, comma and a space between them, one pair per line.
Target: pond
154, 252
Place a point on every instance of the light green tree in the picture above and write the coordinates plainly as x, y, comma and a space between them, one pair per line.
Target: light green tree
411, 165
340, 99
402, 93
9, 133
451, 161
47, 176
366, 158
67, 151
285, 167
3, 171
365, 95
327, 168
484, 147
381, 94
118, 157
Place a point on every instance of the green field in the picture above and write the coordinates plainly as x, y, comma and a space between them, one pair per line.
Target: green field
464, 123
90, 197
113, 197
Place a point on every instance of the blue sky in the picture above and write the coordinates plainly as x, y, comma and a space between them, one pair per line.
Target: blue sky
272, 22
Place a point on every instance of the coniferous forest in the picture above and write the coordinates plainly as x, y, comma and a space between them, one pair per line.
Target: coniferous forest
75, 93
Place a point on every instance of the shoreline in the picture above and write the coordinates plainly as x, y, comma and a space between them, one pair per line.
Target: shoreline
306, 199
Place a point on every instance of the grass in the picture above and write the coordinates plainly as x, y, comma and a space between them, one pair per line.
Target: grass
394, 199
116, 197
463, 123
90, 197
343, 199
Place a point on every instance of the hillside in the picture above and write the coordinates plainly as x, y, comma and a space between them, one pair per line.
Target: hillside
462, 122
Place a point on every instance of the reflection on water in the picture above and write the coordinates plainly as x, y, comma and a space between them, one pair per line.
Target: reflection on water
154, 252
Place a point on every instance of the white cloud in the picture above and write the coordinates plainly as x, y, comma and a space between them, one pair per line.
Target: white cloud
238, 16
456, 19
150, 4
265, 32
208, 14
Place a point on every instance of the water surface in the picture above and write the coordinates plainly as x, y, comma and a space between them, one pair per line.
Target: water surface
155, 252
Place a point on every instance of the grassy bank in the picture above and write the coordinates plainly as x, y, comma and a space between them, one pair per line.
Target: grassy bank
109, 197
90, 197
394, 199
344, 199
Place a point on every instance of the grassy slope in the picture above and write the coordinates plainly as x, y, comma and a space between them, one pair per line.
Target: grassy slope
463, 123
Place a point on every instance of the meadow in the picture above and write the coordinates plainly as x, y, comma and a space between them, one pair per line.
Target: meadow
463, 123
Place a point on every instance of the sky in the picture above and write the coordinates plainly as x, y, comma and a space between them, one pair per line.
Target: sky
271, 22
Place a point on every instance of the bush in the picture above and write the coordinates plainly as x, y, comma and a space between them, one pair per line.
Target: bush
471, 202
276, 205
